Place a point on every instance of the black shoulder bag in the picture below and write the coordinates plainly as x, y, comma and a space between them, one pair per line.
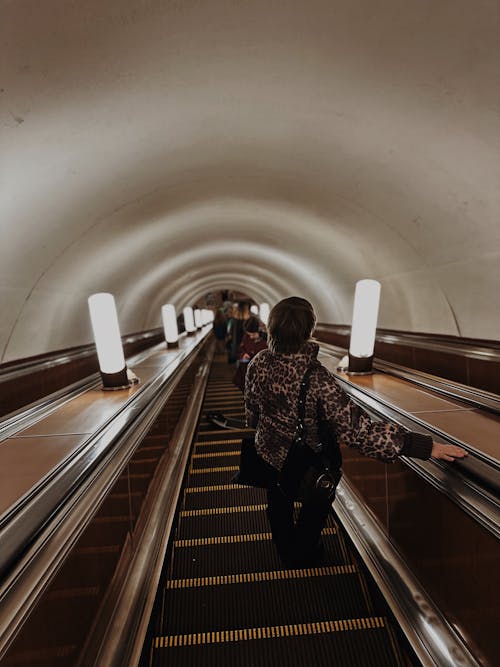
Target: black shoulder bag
308, 474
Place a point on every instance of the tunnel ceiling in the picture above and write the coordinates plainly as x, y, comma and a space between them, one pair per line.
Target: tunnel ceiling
160, 149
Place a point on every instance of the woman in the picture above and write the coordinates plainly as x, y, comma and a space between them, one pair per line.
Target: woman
271, 403
253, 341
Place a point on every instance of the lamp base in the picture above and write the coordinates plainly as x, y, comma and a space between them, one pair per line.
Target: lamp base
172, 346
123, 379
360, 365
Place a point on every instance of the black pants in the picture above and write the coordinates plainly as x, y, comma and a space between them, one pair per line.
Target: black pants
297, 542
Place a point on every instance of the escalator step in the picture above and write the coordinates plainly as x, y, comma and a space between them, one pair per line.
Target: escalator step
248, 519
222, 495
220, 521
239, 554
272, 600
364, 642
213, 476
209, 447
214, 459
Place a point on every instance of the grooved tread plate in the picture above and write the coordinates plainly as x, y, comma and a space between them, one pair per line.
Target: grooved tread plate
219, 460
264, 603
213, 476
199, 498
223, 524
370, 647
211, 448
235, 558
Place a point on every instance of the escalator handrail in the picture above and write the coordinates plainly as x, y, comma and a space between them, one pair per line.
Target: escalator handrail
433, 639
25, 519
472, 483
61, 528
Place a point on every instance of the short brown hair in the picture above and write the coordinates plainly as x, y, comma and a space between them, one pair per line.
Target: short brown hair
291, 323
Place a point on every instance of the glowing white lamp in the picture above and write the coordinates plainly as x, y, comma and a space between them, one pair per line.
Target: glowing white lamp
197, 318
364, 326
108, 341
169, 318
264, 312
211, 316
189, 320
254, 309
205, 316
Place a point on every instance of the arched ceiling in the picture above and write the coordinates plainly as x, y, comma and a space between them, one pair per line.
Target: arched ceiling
159, 150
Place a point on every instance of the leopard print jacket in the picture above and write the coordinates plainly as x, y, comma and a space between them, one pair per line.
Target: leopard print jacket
271, 398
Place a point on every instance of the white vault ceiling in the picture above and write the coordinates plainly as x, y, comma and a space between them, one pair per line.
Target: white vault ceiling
161, 149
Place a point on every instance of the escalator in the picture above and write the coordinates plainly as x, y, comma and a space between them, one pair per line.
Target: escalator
225, 597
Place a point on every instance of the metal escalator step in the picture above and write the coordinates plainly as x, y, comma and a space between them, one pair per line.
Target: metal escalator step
214, 460
238, 554
270, 601
229, 441
209, 447
251, 519
222, 434
212, 476
360, 642
222, 495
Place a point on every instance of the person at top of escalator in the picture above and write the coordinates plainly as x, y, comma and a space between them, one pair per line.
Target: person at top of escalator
272, 386
253, 341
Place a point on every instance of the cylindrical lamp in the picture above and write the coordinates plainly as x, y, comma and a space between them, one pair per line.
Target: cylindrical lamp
108, 341
264, 312
254, 309
197, 318
170, 325
364, 326
189, 320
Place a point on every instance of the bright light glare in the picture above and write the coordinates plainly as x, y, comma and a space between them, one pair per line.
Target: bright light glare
197, 318
264, 312
364, 318
106, 332
188, 319
170, 323
254, 309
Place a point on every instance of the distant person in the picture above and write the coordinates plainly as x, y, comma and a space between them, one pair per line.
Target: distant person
220, 330
240, 314
272, 386
253, 341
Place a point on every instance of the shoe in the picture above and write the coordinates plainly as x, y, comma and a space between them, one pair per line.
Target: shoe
216, 418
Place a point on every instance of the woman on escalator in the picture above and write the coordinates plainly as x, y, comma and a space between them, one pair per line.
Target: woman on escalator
272, 390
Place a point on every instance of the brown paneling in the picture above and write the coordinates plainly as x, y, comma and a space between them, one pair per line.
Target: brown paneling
369, 478
484, 374
397, 354
454, 557
443, 364
24, 461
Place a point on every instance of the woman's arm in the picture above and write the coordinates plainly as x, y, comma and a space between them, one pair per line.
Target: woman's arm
378, 439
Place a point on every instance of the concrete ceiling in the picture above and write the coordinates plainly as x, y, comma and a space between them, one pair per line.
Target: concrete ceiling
161, 149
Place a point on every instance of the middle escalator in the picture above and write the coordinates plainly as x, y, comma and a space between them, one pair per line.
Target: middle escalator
226, 598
